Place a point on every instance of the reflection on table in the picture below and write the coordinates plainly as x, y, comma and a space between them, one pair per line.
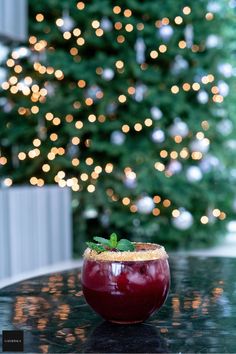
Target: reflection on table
199, 315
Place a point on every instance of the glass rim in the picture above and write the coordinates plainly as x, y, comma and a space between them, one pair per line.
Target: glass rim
144, 252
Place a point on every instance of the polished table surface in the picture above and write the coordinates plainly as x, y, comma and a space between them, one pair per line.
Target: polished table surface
198, 317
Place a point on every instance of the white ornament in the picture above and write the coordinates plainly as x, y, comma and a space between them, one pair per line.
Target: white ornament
231, 144
156, 113
188, 34
111, 108
140, 91
200, 145
68, 22
225, 69
130, 180
140, 50
179, 64
202, 97
106, 24
93, 92
179, 128
232, 4
184, 221
158, 136
208, 163
174, 167
223, 88
108, 74
145, 205
117, 137
72, 150
225, 127
213, 7
213, 41
90, 213
3, 75
194, 174
166, 32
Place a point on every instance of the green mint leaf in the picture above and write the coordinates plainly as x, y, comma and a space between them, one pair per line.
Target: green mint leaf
95, 247
102, 241
125, 245
113, 240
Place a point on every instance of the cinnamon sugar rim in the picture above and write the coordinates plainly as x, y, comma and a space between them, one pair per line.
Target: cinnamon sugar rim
143, 252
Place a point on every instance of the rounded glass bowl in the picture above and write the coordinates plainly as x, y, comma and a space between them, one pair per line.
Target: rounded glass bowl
126, 287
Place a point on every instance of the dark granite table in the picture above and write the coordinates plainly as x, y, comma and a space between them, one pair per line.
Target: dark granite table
198, 317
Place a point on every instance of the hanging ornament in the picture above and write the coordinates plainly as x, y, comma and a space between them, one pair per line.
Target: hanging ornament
68, 22
231, 144
174, 167
140, 91
4, 50
3, 101
166, 32
90, 213
213, 41
232, 4
41, 128
180, 64
106, 24
94, 92
200, 145
3, 75
194, 174
105, 219
130, 180
72, 150
202, 97
140, 50
117, 137
208, 163
214, 7
145, 205
158, 136
179, 128
223, 88
225, 69
156, 113
108, 74
183, 221
8, 106
111, 108
225, 127
188, 34
51, 88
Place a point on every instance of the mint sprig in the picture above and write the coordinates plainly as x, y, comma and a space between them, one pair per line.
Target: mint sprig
112, 244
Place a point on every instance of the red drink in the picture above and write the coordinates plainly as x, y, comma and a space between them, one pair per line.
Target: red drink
126, 287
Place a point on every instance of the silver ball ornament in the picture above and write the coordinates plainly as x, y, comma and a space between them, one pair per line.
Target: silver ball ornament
117, 137
194, 174
184, 221
108, 74
202, 97
179, 128
156, 113
158, 136
145, 205
166, 32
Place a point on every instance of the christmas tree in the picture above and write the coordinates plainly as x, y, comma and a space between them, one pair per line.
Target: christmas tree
124, 104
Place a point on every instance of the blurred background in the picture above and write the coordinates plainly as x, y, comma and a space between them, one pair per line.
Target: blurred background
115, 116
